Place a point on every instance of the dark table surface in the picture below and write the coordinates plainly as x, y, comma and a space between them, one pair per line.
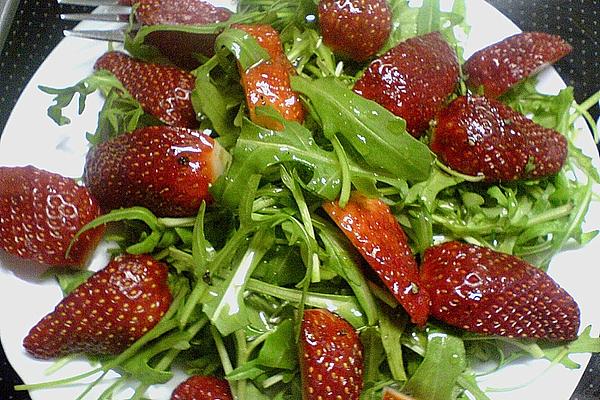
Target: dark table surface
37, 28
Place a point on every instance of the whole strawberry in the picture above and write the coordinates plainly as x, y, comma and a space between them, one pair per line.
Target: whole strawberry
499, 66
40, 213
331, 357
356, 29
165, 169
413, 80
484, 291
107, 313
163, 91
479, 136
200, 387
374, 231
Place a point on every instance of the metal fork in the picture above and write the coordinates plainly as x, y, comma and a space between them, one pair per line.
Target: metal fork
117, 11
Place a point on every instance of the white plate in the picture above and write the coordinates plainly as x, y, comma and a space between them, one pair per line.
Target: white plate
30, 137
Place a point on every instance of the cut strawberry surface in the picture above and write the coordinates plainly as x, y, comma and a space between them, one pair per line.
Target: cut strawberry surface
483, 137
499, 66
200, 387
331, 357
373, 230
484, 291
412, 80
391, 394
40, 214
356, 29
165, 169
163, 91
107, 313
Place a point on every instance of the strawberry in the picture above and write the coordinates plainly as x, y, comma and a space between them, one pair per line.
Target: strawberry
200, 387
391, 394
180, 47
501, 65
107, 313
40, 213
163, 91
412, 80
165, 169
484, 291
355, 29
331, 357
373, 230
268, 82
479, 136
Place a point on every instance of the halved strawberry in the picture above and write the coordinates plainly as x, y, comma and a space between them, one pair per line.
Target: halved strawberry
484, 291
182, 48
107, 313
331, 357
163, 91
268, 83
40, 213
165, 169
479, 136
200, 387
355, 28
412, 80
501, 65
373, 230
391, 394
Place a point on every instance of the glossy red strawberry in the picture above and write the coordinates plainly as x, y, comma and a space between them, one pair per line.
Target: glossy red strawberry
484, 291
479, 136
163, 91
200, 387
107, 313
373, 230
331, 357
413, 80
356, 29
40, 213
501, 65
165, 169
182, 48
268, 83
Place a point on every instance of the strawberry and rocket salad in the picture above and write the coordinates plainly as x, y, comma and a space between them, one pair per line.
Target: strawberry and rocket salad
309, 200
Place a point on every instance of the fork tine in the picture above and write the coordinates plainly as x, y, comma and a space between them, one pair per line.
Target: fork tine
92, 3
95, 17
113, 35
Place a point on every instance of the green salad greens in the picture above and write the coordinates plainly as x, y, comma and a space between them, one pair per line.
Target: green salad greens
245, 268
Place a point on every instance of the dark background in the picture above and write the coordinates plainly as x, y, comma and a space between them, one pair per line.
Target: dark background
37, 29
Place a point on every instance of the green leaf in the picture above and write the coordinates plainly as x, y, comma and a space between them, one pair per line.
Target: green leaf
279, 349
428, 18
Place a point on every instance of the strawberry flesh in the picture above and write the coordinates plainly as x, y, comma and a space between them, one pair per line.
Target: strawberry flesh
182, 48
412, 80
163, 91
484, 291
356, 29
331, 357
107, 313
499, 66
483, 137
373, 230
165, 169
40, 213
199, 387
391, 394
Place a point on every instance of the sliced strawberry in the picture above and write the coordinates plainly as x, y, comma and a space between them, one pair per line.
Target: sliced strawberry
268, 83
181, 47
165, 169
479, 136
331, 357
107, 313
163, 91
40, 213
412, 80
355, 28
484, 291
202, 388
501, 65
391, 394
373, 230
